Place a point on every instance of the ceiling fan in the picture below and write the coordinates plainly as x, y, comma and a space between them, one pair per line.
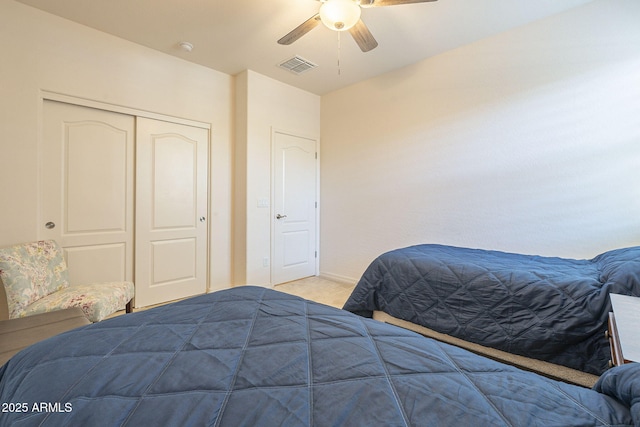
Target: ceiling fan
344, 15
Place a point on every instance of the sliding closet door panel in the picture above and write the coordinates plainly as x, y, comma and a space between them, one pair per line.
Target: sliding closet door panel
171, 211
86, 190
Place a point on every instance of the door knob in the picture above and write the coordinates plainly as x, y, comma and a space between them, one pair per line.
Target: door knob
50, 225
202, 219
280, 216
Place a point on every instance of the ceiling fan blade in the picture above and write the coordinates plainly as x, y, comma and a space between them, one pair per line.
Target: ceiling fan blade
301, 30
363, 36
379, 3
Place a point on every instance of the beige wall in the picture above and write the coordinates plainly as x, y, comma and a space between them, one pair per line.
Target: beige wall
262, 105
528, 141
41, 52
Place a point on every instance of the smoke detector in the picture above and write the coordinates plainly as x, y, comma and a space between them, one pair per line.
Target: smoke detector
185, 46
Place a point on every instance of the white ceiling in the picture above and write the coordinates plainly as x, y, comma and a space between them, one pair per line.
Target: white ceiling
235, 35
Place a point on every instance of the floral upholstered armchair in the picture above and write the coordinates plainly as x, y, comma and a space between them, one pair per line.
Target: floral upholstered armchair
35, 280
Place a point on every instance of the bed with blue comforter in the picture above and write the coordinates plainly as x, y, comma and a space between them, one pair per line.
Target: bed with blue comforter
255, 357
552, 309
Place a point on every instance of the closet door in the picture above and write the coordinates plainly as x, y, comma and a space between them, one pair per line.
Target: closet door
86, 190
171, 211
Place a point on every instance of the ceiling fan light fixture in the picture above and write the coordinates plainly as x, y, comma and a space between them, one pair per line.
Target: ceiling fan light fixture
340, 15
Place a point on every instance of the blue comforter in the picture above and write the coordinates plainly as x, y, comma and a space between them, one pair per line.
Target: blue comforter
552, 309
256, 357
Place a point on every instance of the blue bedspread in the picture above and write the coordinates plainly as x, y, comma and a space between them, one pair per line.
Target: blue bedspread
552, 309
256, 357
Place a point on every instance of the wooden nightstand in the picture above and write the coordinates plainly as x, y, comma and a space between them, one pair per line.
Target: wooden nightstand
623, 333
617, 358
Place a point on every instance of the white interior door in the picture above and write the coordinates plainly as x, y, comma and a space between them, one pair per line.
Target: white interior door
295, 208
171, 211
86, 190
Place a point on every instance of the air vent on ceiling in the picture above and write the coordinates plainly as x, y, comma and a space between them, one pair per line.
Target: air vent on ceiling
297, 65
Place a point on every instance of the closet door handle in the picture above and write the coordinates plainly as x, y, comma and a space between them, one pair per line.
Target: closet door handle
50, 225
280, 216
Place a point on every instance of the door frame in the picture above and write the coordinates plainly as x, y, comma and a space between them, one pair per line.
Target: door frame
85, 102
272, 212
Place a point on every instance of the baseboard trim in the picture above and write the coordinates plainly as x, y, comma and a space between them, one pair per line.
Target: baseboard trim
338, 278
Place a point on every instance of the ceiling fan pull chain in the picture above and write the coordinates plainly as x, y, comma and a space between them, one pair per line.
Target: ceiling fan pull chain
338, 51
